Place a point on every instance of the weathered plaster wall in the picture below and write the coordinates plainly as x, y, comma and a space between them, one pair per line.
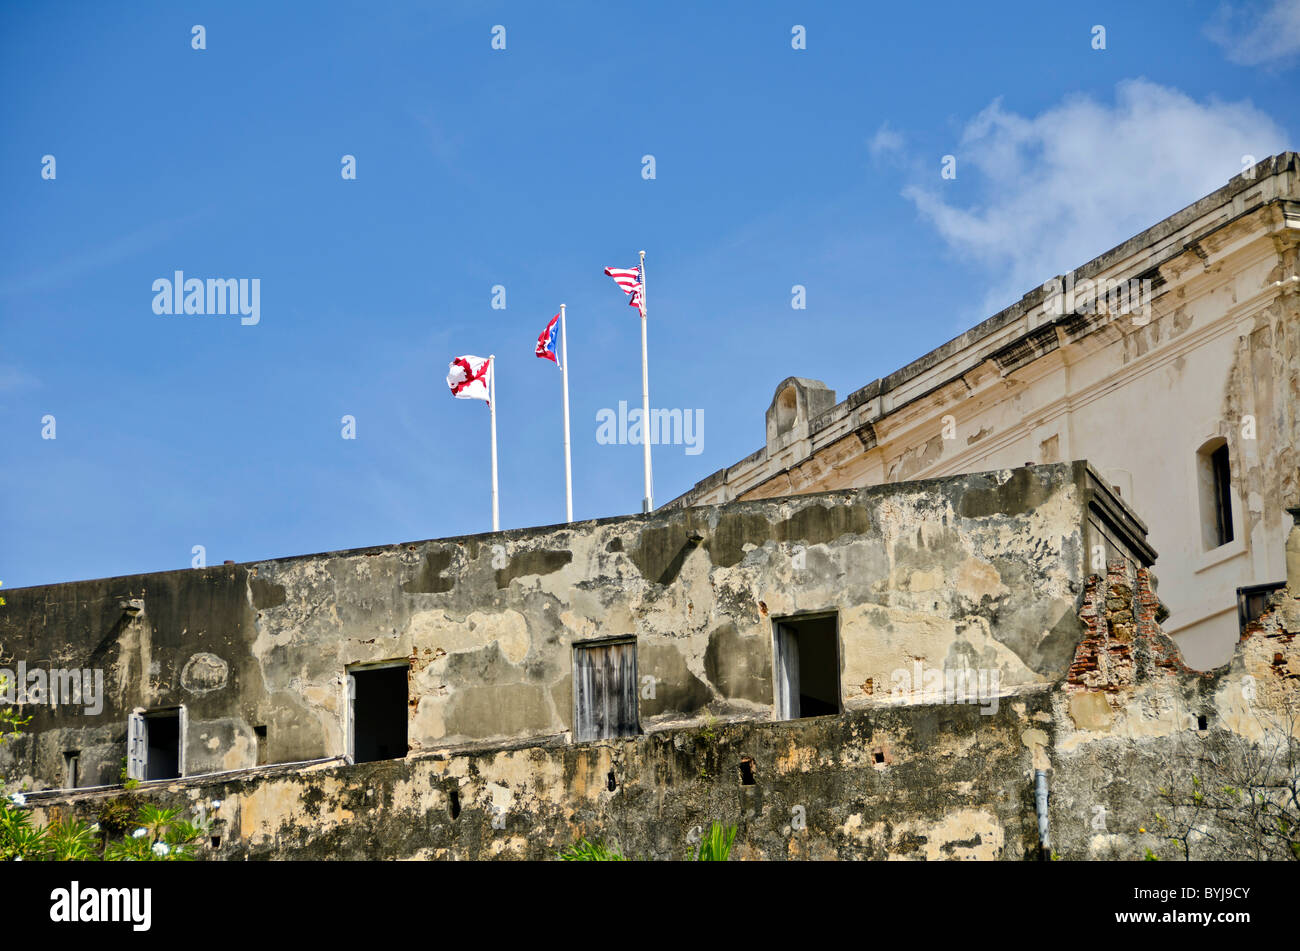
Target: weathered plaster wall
950, 784
1145, 747
189, 645
918, 781
922, 781
981, 571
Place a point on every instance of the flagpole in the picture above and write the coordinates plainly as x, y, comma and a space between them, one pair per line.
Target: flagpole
648, 503
568, 466
492, 411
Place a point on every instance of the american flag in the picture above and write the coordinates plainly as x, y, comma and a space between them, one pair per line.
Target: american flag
628, 278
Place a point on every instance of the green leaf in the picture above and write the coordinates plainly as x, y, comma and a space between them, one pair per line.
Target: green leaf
716, 845
585, 851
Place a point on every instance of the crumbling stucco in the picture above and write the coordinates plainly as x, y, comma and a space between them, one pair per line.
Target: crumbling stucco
984, 568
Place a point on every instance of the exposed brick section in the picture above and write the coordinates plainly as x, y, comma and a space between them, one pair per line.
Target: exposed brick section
1162, 652
1122, 642
1103, 659
1268, 635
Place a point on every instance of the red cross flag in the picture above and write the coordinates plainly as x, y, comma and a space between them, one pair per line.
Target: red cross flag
470, 378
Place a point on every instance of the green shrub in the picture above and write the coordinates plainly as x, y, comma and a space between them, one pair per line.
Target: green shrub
716, 845
585, 851
116, 817
162, 837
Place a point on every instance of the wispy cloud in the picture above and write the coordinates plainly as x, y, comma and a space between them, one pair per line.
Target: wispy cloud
1059, 188
15, 378
886, 143
90, 260
1258, 33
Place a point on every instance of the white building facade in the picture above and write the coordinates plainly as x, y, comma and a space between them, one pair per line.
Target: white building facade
1188, 332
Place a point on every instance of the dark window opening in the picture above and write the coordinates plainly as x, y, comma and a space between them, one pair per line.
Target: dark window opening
746, 772
453, 803
1252, 601
71, 769
216, 841
879, 756
610, 782
379, 714
1222, 498
162, 745
260, 733
605, 690
1202, 722
807, 667
1214, 471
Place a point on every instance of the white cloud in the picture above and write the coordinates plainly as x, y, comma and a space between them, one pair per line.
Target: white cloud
886, 142
1064, 186
1257, 33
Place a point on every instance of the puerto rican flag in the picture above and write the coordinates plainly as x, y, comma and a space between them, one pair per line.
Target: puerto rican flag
470, 378
546, 341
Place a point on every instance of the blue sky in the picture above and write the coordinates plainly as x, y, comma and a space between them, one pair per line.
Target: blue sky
523, 167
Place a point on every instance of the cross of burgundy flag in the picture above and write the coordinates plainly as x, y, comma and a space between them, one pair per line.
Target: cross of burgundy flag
469, 378
628, 278
546, 341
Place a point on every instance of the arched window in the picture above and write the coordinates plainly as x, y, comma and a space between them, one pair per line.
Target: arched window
1214, 471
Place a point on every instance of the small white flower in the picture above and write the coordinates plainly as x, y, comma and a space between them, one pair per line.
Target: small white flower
139, 833
216, 804
18, 799
95, 827
161, 848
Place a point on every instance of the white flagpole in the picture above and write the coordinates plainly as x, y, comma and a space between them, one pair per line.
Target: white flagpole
648, 503
568, 466
492, 409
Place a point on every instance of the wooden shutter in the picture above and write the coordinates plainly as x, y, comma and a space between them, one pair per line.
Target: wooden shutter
135, 746
182, 722
605, 691
785, 669
350, 714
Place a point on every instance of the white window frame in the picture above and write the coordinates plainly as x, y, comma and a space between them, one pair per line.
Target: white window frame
137, 740
1207, 558
785, 706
